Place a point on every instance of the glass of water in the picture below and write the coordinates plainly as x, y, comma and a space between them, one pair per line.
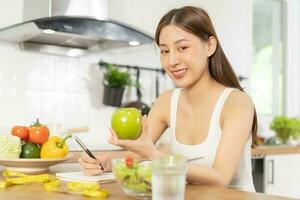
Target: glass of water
168, 178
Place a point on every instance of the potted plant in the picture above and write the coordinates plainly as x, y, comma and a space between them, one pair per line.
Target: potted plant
114, 82
285, 127
295, 125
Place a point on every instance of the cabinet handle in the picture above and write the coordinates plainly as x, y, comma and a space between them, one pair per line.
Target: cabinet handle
271, 169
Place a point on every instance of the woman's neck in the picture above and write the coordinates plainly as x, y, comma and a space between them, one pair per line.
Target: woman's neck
204, 87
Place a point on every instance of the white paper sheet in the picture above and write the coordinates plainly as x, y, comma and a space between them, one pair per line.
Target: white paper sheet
80, 177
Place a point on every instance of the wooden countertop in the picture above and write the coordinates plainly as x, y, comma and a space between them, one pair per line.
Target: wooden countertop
261, 151
36, 191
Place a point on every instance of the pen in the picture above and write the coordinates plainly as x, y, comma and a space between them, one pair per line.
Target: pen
196, 158
86, 150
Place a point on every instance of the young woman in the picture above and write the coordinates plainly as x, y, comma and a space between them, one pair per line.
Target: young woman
208, 113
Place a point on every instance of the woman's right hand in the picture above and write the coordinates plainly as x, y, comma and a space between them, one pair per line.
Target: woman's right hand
91, 166
142, 146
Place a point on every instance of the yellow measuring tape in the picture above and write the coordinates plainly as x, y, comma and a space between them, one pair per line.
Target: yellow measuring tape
52, 184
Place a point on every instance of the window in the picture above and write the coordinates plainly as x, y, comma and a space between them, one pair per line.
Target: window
266, 77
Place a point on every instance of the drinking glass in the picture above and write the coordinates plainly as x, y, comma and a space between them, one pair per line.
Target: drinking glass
169, 178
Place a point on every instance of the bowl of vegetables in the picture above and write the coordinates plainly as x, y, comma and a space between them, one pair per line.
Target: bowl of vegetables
133, 176
29, 149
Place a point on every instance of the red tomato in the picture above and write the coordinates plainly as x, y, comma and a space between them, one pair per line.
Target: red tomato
38, 133
20, 131
129, 161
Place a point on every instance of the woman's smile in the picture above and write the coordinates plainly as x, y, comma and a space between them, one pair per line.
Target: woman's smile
178, 73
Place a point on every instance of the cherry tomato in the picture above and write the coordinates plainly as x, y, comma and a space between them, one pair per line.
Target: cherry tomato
129, 161
20, 131
38, 133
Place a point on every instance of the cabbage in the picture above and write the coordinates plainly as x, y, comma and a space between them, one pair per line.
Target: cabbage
10, 147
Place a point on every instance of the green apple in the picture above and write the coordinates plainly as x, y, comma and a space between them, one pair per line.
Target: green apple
127, 123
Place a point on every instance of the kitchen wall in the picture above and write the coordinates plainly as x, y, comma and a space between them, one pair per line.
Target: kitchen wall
232, 20
292, 94
11, 12
67, 92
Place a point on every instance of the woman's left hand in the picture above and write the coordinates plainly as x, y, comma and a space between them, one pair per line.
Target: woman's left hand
143, 146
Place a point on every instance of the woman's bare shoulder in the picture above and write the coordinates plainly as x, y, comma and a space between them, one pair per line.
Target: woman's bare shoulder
238, 100
240, 97
162, 103
163, 100
164, 97
161, 108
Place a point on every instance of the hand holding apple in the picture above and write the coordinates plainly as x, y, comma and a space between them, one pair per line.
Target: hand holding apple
127, 123
143, 145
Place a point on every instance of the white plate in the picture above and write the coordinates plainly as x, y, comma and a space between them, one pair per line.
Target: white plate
31, 165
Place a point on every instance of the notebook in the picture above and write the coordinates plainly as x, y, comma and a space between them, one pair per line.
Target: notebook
80, 177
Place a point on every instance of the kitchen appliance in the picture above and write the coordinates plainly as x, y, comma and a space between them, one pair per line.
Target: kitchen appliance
71, 28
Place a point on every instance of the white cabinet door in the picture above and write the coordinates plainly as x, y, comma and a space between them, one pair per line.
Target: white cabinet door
282, 175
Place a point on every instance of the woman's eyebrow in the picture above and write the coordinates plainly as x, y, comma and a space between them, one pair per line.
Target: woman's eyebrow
176, 42
162, 45
181, 40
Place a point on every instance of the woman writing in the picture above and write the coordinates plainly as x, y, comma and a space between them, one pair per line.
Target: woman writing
208, 113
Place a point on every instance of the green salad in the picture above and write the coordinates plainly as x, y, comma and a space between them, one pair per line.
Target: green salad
133, 175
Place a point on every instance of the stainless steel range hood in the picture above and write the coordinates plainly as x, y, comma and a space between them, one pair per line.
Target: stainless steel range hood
72, 35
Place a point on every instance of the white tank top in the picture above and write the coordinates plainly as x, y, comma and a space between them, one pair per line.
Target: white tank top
242, 178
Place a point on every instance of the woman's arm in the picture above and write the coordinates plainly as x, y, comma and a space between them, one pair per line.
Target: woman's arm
159, 116
236, 126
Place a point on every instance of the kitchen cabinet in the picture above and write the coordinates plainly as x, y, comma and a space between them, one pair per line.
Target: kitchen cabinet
282, 175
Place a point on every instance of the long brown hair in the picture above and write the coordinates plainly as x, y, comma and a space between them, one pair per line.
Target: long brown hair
196, 21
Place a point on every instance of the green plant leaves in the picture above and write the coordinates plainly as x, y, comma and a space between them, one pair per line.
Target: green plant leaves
286, 127
113, 77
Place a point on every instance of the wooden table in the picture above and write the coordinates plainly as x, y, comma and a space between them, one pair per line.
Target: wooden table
36, 191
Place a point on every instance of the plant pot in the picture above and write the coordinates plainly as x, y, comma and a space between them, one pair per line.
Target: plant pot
113, 96
283, 135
